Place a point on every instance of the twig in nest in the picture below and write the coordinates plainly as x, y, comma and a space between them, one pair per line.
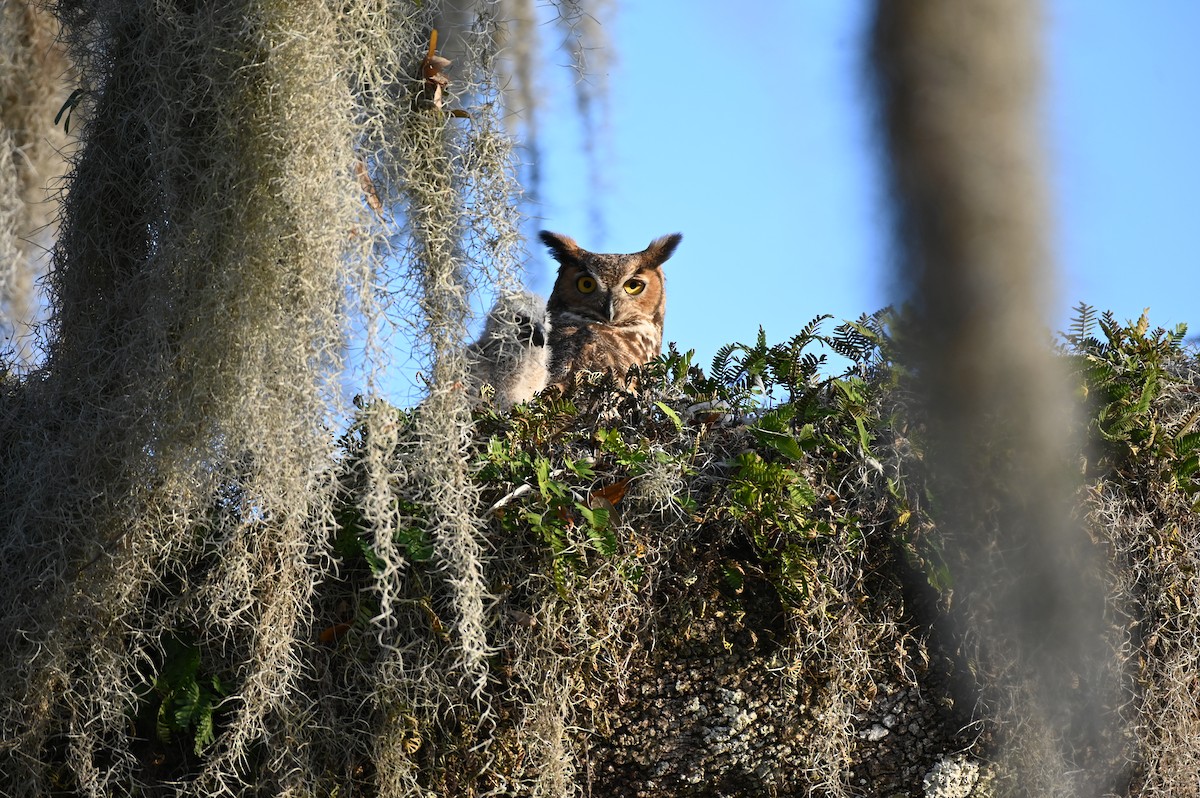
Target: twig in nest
520, 491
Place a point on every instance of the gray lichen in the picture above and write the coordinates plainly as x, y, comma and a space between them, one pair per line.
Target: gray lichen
951, 777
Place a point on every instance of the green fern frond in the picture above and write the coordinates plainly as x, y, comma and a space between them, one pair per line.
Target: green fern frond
1082, 324
1185, 470
1187, 444
809, 331
721, 368
1110, 327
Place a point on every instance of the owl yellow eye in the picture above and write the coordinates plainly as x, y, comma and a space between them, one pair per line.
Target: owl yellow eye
586, 284
634, 287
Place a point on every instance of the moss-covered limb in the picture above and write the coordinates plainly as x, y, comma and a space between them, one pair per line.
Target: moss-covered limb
623, 533
1140, 489
1142, 387
676, 613
694, 585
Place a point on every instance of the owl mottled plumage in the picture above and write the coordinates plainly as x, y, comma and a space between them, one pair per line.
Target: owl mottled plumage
511, 355
606, 311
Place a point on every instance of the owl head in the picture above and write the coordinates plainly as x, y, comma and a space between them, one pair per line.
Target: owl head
517, 319
511, 356
609, 289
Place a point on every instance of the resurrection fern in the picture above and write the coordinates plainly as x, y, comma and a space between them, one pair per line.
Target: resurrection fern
182, 699
751, 374
866, 342
1124, 374
1081, 330
774, 503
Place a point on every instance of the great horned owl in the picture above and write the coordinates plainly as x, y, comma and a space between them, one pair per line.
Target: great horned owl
606, 311
511, 354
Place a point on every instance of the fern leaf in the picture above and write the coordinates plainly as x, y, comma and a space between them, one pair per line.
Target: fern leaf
802, 493
162, 723
1110, 327
1187, 443
1149, 392
205, 732
1187, 424
1082, 323
721, 371
809, 330
1184, 472
189, 706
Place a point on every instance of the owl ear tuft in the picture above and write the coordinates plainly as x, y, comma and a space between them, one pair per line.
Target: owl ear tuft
662, 248
562, 248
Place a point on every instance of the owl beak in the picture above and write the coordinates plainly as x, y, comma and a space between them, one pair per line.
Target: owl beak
612, 310
539, 334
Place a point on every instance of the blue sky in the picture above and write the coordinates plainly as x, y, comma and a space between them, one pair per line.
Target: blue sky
750, 134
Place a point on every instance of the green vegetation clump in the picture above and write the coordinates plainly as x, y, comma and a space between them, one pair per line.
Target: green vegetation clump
1142, 388
655, 554
742, 515
730, 580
